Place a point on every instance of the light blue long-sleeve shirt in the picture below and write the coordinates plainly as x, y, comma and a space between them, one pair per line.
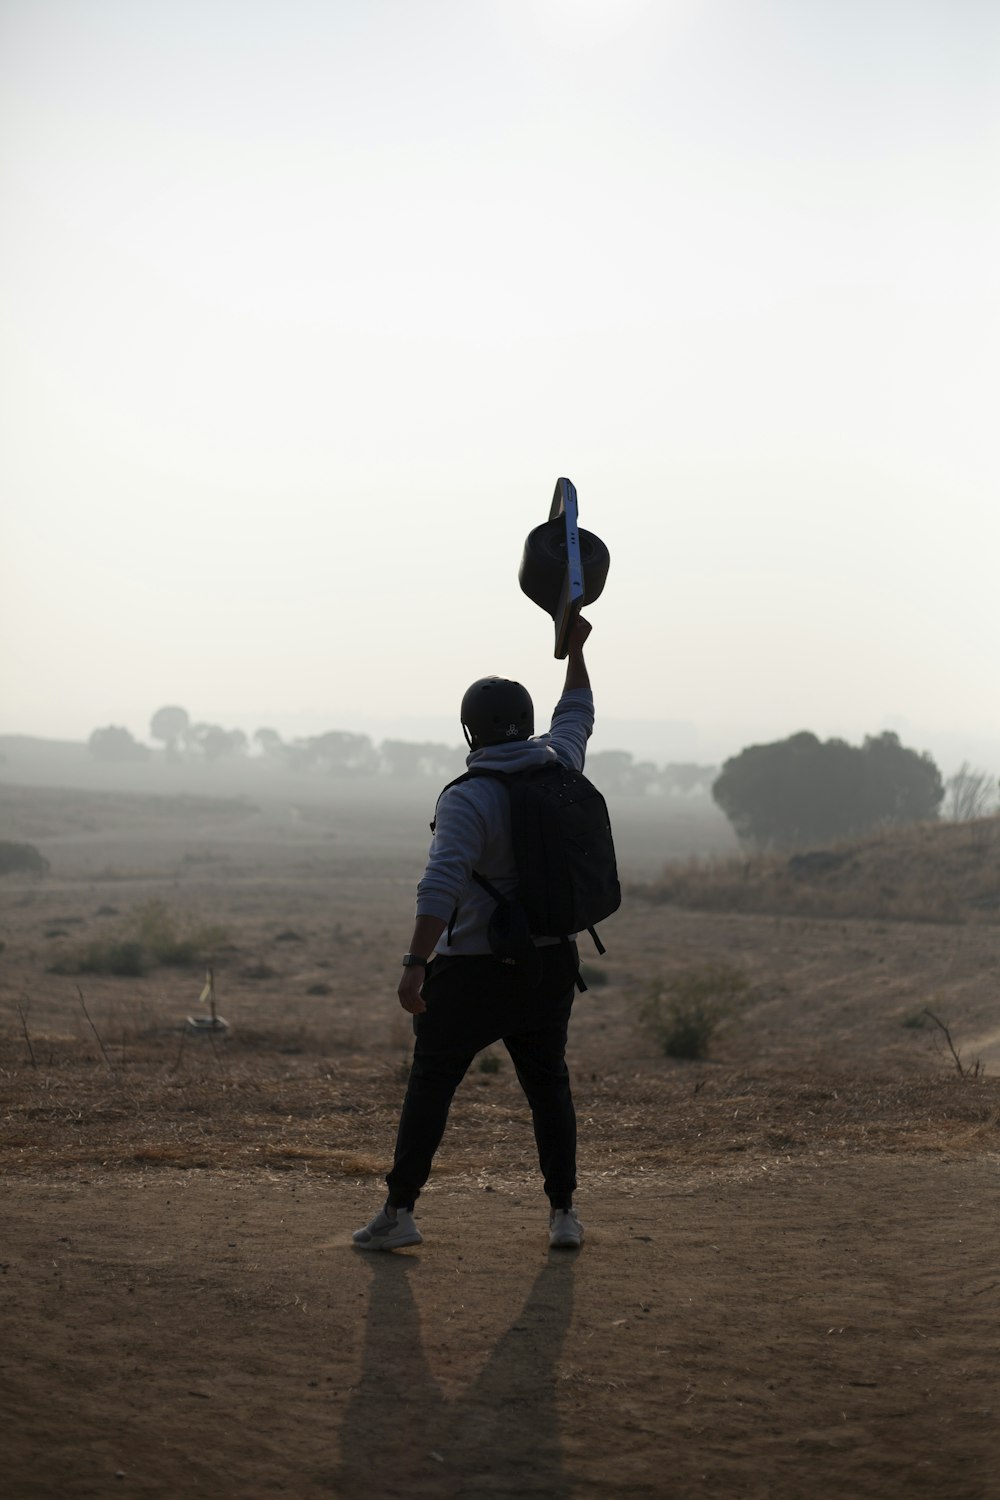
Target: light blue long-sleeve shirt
473, 826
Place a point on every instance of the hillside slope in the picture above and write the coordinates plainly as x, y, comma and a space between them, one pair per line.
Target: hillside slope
929, 872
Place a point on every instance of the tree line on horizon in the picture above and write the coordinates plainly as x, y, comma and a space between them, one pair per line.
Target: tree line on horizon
344, 753
786, 795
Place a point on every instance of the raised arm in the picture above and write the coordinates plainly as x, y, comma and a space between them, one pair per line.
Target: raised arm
576, 668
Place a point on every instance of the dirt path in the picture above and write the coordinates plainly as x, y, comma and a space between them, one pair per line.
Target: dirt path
797, 1330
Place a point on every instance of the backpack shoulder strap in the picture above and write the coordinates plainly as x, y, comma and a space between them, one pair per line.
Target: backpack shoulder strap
480, 880
490, 890
458, 780
504, 776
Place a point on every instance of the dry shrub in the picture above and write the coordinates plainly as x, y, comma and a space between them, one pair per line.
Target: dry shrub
152, 938
122, 957
684, 1011
21, 859
159, 936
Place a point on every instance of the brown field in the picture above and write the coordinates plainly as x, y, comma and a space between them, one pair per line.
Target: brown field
790, 1286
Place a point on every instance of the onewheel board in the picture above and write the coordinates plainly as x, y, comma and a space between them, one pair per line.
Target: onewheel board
571, 600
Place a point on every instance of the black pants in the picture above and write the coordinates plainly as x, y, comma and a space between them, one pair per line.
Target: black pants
471, 1003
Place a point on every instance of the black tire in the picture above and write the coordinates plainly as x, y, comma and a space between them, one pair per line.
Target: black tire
543, 565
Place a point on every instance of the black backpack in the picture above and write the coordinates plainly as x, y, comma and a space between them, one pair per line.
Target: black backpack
565, 857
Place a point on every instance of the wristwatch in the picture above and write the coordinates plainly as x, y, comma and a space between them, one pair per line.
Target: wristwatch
411, 961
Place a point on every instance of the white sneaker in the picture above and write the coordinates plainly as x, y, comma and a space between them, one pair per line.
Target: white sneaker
385, 1233
565, 1230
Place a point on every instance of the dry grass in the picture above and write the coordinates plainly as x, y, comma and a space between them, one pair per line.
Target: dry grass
310, 1075
934, 872
236, 1110
151, 937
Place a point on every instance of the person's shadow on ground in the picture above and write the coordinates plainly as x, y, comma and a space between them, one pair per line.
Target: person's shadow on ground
402, 1437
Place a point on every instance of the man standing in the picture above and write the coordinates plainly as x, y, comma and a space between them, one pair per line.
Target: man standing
462, 999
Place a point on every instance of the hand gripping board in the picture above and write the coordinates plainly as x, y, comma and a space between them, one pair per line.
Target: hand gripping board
562, 567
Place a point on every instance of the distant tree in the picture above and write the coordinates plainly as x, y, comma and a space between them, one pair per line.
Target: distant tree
214, 742
801, 790
448, 760
610, 769
338, 753
421, 758
170, 725
643, 777
970, 794
401, 757
268, 741
442, 762
686, 777
618, 771
114, 743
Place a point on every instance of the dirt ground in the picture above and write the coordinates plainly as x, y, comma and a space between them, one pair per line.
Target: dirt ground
789, 1286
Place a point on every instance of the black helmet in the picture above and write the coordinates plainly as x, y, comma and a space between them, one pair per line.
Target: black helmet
495, 710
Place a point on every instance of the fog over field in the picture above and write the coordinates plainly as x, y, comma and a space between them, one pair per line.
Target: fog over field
306, 307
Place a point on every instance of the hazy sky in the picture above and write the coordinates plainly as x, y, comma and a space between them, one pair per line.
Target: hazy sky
305, 306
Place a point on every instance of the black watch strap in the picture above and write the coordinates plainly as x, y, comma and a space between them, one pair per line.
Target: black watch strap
411, 961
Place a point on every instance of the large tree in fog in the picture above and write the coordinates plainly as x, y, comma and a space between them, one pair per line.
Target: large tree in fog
268, 741
804, 791
170, 725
